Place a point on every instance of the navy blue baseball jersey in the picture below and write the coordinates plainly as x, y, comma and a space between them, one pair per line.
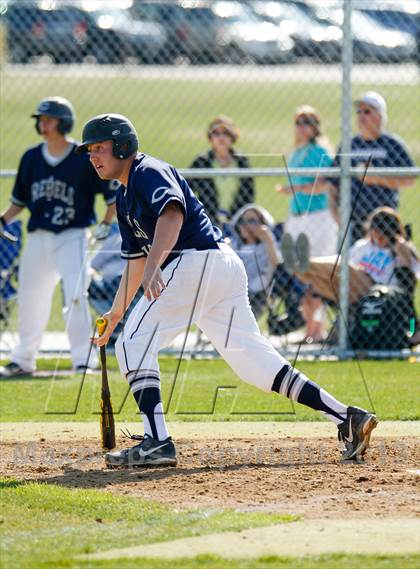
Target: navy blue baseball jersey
62, 196
384, 152
152, 184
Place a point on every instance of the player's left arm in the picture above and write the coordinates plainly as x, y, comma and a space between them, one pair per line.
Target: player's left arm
166, 235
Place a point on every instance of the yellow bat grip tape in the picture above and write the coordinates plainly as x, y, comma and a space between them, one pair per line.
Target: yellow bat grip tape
101, 325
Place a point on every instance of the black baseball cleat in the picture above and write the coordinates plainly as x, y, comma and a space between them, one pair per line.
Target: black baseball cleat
149, 452
355, 432
14, 370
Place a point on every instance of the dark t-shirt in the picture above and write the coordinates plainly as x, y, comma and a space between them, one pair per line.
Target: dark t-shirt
384, 152
152, 184
62, 196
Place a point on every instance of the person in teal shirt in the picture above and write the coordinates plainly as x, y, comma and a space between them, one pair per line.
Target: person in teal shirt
309, 210
311, 155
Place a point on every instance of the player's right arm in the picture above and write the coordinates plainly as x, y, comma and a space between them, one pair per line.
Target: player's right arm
19, 195
11, 212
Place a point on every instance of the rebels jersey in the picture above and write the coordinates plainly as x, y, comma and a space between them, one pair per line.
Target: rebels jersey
152, 184
59, 196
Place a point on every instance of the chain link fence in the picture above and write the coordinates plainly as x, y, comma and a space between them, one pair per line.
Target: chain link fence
275, 84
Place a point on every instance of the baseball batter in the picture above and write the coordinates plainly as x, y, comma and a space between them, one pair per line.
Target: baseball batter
58, 187
188, 275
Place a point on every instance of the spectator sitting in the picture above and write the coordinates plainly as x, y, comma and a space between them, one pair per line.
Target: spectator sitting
256, 245
226, 193
374, 148
384, 256
309, 210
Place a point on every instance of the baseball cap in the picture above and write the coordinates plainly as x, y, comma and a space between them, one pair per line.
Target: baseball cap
376, 101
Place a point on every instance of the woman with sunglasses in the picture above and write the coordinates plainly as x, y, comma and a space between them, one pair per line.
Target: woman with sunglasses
309, 211
374, 148
223, 196
254, 241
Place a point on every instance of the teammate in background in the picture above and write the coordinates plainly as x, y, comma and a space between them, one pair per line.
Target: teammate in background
377, 149
222, 196
58, 187
188, 275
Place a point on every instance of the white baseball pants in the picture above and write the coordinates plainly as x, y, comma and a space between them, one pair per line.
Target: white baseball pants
46, 259
208, 288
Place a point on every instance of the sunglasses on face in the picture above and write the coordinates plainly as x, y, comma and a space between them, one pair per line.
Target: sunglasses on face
363, 111
220, 133
304, 121
248, 222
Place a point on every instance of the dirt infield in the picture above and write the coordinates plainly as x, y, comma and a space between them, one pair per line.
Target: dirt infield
290, 474
68, 431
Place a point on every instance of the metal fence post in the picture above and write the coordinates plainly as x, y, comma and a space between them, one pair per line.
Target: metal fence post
345, 179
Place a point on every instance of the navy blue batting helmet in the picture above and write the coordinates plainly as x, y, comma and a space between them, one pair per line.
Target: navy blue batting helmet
59, 108
113, 127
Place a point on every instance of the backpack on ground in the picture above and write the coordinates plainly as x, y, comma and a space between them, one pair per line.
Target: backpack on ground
381, 319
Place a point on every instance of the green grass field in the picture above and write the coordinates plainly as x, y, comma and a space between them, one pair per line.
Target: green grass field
209, 391
52, 523
46, 526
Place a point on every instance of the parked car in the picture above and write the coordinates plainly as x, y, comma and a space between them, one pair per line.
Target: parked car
395, 19
32, 31
245, 37
403, 15
372, 41
400, 16
191, 29
313, 38
115, 36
